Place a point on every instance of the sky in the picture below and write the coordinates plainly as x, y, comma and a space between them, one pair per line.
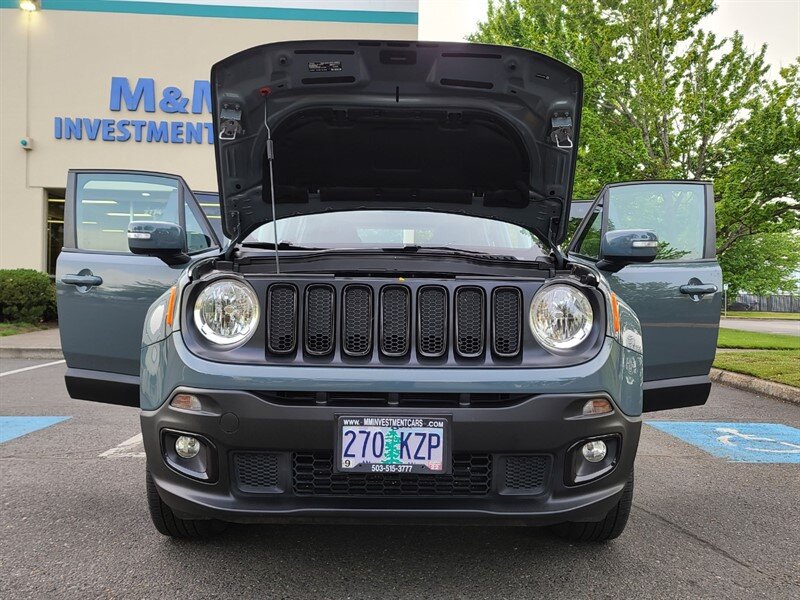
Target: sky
775, 22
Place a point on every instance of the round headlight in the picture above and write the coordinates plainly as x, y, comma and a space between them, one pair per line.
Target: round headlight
561, 317
226, 312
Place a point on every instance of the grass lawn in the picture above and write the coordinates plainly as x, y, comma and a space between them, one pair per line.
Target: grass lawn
736, 338
782, 366
15, 328
763, 315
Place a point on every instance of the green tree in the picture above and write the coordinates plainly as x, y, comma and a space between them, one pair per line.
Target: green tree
777, 256
391, 453
664, 99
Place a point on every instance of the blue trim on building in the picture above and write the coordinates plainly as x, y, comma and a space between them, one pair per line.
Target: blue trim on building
227, 11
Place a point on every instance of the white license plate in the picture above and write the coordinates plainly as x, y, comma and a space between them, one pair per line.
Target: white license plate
393, 445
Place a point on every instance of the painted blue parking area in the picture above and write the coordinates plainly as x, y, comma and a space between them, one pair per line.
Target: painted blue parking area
738, 442
14, 427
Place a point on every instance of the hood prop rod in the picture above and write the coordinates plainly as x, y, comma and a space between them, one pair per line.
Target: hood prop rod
558, 256
265, 91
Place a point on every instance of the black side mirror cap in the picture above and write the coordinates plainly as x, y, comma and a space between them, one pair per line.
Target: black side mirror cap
627, 246
163, 240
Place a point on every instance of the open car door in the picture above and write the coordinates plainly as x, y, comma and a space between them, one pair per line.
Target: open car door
677, 297
103, 290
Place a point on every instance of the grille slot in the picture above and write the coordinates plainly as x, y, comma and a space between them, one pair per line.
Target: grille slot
395, 320
320, 316
313, 475
506, 321
256, 471
282, 318
357, 333
469, 322
525, 474
432, 321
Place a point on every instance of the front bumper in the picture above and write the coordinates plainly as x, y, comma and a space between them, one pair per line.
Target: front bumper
540, 426
544, 424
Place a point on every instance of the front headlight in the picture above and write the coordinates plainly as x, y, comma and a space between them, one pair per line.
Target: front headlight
226, 312
561, 317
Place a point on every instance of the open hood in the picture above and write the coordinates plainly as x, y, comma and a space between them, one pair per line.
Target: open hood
482, 130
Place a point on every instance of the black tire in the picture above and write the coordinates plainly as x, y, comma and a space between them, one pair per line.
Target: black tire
168, 524
609, 528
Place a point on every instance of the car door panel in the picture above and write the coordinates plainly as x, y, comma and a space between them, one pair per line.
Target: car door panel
678, 297
679, 334
103, 291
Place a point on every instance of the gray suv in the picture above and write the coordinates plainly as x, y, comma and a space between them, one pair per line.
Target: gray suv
393, 324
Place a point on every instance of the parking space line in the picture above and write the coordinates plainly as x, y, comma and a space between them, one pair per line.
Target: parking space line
125, 449
24, 369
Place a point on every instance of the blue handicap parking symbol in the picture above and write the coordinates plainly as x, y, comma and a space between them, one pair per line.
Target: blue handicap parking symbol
14, 427
738, 442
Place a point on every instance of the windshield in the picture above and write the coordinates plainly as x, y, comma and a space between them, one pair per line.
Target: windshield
398, 228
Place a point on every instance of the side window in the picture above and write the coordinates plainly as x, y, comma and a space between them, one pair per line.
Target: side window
209, 203
106, 202
577, 211
675, 211
589, 244
196, 238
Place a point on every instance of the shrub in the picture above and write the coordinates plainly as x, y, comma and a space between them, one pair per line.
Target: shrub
25, 295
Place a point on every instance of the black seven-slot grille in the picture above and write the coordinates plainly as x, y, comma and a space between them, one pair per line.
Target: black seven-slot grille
400, 319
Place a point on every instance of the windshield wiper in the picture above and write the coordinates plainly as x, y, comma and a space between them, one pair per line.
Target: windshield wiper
281, 246
411, 248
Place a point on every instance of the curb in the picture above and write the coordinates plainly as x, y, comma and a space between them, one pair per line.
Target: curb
40, 353
756, 385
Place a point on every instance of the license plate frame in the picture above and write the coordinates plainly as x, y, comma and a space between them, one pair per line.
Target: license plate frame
401, 424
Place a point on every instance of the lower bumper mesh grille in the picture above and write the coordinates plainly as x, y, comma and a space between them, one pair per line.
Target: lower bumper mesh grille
312, 474
256, 471
526, 474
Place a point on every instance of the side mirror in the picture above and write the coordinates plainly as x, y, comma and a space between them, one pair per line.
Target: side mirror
627, 246
160, 239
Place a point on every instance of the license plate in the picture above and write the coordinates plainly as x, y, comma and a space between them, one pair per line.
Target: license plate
393, 445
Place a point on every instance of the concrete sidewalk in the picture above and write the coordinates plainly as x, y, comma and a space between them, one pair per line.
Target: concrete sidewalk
784, 327
44, 344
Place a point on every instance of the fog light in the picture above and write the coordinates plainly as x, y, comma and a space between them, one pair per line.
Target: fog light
186, 402
592, 451
188, 447
598, 406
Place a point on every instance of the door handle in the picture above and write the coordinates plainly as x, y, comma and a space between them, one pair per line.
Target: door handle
81, 280
695, 290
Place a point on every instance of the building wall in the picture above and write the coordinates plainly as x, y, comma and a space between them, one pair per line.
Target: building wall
59, 64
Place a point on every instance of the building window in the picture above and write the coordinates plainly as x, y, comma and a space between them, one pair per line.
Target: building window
55, 228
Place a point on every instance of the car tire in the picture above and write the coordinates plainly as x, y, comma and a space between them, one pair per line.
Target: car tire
609, 528
170, 525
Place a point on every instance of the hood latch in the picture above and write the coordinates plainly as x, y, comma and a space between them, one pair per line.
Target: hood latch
561, 130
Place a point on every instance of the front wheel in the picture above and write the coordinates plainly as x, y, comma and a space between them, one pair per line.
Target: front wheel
170, 525
609, 528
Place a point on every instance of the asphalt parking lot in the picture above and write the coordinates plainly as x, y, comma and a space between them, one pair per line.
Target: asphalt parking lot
75, 525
